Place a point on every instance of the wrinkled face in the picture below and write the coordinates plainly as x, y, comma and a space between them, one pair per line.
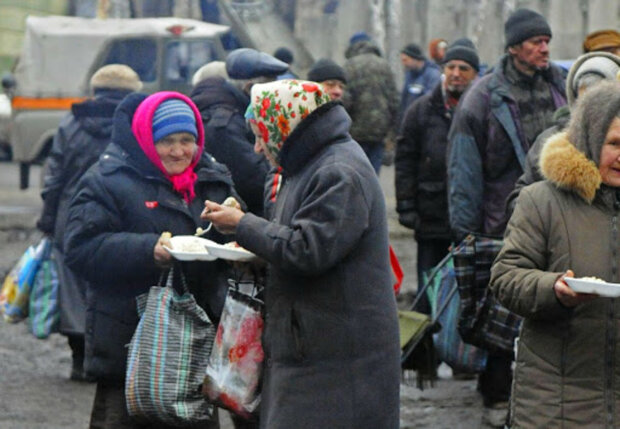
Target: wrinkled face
260, 146
609, 163
176, 152
532, 54
459, 75
411, 63
334, 88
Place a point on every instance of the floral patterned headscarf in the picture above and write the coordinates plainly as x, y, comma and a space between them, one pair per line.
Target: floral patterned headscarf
278, 107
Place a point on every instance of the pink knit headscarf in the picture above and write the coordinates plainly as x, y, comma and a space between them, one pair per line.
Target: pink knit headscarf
142, 127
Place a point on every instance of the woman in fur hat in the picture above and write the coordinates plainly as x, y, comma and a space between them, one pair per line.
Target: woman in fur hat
568, 225
331, 331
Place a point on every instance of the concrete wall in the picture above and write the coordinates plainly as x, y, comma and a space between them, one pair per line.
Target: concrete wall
326, 35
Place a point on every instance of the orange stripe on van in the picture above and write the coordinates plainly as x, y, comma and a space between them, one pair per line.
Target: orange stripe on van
23, 103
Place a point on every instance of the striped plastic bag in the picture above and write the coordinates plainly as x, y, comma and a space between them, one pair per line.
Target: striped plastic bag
168, 357
44, 318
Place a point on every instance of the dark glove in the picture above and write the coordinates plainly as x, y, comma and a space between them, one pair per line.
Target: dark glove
409, 220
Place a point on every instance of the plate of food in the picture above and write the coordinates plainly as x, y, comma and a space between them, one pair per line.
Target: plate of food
230, 251
190, 248
593, 285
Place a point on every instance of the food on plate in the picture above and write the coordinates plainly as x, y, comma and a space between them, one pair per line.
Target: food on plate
189, 245
234, 245
166, 235
593, 279
232, 202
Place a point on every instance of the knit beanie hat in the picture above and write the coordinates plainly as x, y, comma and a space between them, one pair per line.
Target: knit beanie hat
284, 54
116, 76
462, 51
414, 51
602, 64
326, 69
278, 107
142, 126
600, 40
173, 116
523, 24
592, 116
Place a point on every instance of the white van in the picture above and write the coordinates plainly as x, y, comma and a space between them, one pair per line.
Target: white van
60, 53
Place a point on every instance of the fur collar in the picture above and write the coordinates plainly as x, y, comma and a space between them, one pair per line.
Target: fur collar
568, 168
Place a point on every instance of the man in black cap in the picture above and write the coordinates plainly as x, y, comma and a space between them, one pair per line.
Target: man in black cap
222, 103
496, 123
421, 76
421, 181
330, 75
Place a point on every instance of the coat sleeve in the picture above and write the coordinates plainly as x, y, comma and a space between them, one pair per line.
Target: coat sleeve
518, 277
465, 175
96, 246
329, 222
407, 160
55, 179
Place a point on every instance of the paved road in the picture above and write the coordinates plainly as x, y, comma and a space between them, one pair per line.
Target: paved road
35, 392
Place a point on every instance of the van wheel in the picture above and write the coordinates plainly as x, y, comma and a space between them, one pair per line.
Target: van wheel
24, 175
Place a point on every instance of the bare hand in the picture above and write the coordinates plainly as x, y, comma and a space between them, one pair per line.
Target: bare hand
224, 219
162, 257
567, 296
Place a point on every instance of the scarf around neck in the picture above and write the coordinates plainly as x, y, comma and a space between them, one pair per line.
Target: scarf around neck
142, 128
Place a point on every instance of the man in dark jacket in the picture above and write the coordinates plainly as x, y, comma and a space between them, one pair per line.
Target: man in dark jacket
222, 104
371, 98
421, 182
421, 76
81, 137
495, 125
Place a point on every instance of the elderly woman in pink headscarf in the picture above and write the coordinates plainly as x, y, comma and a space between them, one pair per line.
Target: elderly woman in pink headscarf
332, 356
152, 178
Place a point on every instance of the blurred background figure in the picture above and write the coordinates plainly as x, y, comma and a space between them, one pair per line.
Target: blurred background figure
602, 40
81, 137
285, 55
222, 103
330, 75
437, 50
371, 97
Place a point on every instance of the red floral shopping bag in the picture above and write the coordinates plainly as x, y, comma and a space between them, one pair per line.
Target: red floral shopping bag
233, 374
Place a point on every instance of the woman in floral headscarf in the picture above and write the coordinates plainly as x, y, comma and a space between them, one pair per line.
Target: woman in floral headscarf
331, 333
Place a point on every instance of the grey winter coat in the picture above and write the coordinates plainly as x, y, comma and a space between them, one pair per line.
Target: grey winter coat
568, 360
331, 334
487, 152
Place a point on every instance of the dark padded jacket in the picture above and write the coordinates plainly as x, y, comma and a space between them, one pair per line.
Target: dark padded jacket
122, 206
229, 140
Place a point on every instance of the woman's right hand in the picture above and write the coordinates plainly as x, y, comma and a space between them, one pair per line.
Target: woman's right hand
567, 296
162, 257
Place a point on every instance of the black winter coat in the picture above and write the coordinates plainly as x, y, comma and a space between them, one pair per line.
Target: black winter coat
420, 164
331, 331
229, 140
122, 206
81, 138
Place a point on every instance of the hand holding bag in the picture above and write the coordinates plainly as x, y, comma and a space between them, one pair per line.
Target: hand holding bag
168, 357
234, 372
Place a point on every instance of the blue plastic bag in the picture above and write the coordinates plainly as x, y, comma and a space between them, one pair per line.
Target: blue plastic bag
44, 317
15, 299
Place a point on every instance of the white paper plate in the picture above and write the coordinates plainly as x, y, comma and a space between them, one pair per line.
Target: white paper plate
609, 290
178, 252
229, 253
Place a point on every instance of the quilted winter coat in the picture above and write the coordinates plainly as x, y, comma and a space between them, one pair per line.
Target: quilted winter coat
122, 206
568, 360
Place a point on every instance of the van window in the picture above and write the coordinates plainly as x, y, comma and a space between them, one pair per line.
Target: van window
139, 54
183, 58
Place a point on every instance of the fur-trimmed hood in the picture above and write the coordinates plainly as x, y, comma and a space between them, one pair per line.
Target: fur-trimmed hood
568, 168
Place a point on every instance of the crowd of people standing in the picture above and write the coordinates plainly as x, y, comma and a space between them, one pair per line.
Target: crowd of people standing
526, 153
